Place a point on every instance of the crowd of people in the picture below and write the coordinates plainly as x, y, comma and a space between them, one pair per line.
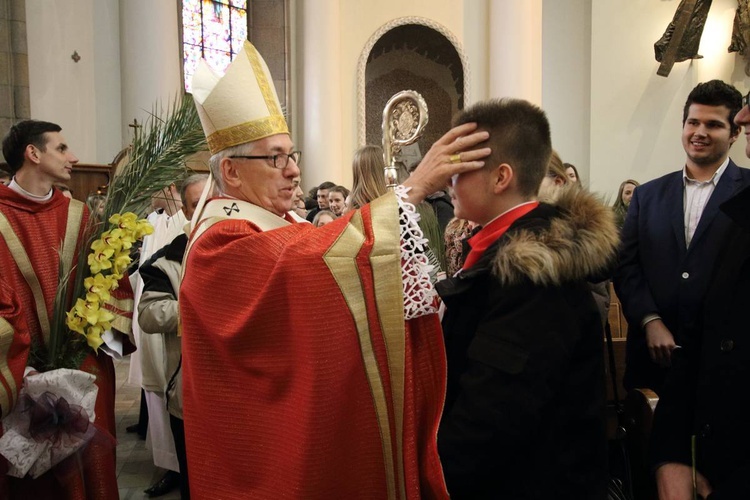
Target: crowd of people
459, 351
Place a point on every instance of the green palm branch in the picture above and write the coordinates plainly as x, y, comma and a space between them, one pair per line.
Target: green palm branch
157, 157
430, 226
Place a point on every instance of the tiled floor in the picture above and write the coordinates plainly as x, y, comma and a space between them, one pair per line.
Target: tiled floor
135, 467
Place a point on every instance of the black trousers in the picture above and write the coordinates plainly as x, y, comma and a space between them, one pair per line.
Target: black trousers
178, 433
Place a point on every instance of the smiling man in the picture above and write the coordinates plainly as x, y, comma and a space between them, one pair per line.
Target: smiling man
276, 406
672, 234
705, 396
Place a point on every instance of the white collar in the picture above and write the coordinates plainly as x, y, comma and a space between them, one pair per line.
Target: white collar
33, 197
714, 178
511, 208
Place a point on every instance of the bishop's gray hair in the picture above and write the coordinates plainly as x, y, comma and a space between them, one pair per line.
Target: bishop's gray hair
214, 163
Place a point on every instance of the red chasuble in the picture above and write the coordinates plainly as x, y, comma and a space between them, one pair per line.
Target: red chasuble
301, 377
14, 347
39, 229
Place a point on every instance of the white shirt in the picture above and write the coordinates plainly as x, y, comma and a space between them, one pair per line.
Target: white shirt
696, 196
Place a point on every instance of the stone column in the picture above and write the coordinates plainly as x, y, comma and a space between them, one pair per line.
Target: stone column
515, 61
319, 83
476, 44
14, 64
566, 92
150, 63
268, 32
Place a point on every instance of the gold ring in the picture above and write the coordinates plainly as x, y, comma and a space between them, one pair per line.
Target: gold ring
455, 158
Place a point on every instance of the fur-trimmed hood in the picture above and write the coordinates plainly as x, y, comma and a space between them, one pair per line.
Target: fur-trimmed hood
579, 242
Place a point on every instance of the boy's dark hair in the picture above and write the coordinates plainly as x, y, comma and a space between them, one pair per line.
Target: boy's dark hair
715, 93
519, 136
339, 189
325, 186
21, 135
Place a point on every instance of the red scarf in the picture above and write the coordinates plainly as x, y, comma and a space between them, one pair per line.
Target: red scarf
494, 230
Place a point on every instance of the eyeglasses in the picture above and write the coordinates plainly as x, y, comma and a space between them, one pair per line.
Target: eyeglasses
746, 100
279, 161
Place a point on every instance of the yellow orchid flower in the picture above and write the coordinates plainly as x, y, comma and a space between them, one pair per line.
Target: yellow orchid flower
98, 288
100, 260
75, 322
143, 228
94, 337
93, 313
79, 309
126, 221
100, 244
127, 240
121, 262
112, 239
105, 318
108, 262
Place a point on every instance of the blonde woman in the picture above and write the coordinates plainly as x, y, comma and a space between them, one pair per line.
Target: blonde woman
369, 183
323, 217
622, 202
555, 180
367, 173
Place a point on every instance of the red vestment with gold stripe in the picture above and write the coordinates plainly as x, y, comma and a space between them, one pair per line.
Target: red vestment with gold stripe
40, 227
301, 377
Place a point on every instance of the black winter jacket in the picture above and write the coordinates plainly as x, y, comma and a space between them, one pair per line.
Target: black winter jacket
524, 409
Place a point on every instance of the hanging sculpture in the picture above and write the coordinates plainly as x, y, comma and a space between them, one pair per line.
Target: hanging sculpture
681, 39
741, 32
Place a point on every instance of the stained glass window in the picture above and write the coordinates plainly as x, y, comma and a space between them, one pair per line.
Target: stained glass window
214, 30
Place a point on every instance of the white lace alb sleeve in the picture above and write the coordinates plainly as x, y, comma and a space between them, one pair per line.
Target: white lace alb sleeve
419, 293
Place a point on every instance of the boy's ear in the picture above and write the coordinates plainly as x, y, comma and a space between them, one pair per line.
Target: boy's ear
502, 178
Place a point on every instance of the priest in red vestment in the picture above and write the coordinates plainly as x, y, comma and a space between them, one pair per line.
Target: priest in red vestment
287, 399
39, 227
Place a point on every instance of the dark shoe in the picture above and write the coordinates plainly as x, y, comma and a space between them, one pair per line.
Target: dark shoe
136, 428
168, 482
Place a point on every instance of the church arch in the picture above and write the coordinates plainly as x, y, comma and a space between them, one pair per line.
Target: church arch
411, 53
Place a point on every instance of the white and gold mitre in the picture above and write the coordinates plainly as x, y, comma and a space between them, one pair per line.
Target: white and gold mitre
242, 106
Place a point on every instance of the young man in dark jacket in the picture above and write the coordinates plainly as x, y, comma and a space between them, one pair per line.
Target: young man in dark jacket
524, 409
706, 393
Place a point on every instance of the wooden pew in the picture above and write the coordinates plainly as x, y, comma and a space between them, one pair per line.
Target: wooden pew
87, 178
634, 426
